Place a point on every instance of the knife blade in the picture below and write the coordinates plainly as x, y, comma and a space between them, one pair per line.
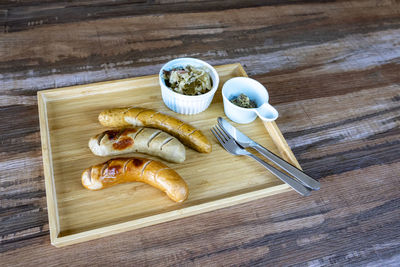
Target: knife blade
244, 141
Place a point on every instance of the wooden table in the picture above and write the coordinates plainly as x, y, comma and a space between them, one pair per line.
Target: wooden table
333, 72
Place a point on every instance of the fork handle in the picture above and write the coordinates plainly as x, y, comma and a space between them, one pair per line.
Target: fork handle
298, 187
298, 174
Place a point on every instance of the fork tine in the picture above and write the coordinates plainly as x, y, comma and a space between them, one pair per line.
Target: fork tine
227, 142
216, 135
221, 138
221, 132
228, 135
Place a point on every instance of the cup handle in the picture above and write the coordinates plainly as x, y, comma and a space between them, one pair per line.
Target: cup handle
266, 112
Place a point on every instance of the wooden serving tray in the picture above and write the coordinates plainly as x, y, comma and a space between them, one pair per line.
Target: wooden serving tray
68, 118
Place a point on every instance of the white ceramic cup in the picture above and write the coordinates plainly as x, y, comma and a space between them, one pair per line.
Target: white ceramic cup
256, 92
187, 104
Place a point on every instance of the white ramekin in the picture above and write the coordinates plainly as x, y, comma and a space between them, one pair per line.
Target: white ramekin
185, 104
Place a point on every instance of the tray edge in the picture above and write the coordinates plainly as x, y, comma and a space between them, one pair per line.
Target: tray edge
51, 199
54, 225
168, 216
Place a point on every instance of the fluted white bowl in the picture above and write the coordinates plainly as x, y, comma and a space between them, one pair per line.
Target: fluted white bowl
186, 104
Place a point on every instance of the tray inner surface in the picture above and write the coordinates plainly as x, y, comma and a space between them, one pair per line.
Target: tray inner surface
72, 120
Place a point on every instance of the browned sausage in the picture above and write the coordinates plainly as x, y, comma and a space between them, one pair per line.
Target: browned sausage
144, 140
187, 134
122, 170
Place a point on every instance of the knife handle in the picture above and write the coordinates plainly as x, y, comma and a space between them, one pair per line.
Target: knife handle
298, 187
298, 174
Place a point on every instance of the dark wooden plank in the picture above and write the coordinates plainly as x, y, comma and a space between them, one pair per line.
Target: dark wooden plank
286, 86
331, 70
23, 15
271, 41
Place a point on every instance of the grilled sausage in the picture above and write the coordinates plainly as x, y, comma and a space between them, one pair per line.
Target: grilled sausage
187, 134
122, 170
144, 140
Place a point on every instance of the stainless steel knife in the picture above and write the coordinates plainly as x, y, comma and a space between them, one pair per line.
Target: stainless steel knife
244, 141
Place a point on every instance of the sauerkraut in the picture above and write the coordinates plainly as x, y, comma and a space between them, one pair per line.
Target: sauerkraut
244, 101
188, 80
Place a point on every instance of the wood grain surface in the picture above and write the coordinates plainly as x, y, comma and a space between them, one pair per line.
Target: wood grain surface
332, 70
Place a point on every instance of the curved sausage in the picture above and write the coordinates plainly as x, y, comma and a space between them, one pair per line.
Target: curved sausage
122, 170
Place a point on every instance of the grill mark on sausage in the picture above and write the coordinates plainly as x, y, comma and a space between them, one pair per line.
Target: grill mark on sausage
100, 137
195, 130
180, 126
140, 130
105, 166
126, 164
144, 167
167, 117
166, 141
152, 137
89, 171
137, 115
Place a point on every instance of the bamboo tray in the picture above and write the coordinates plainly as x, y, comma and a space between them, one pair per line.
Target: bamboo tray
68, 118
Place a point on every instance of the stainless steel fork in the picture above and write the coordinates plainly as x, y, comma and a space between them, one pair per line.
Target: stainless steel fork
232, 147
